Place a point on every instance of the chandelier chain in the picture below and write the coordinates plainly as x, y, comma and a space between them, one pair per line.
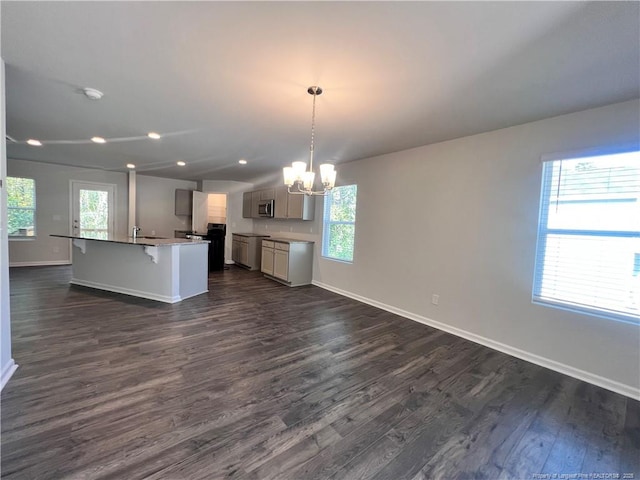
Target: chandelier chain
313, 129
298, 175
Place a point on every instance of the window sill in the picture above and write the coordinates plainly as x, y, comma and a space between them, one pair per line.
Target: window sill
22, 239
592, 312
339, 260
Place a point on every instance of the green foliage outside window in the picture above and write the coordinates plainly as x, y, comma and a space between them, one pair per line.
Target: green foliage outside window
21, 207
339, 223
94, 214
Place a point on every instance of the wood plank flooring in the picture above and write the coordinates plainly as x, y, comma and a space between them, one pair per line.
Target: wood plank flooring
256, 380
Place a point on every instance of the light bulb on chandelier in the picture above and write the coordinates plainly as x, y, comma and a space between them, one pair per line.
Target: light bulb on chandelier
298, 175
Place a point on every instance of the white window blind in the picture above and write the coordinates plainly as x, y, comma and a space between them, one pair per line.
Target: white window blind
588, 253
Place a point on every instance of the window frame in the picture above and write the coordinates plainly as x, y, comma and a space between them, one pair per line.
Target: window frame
327, 223
33, 209
543, 232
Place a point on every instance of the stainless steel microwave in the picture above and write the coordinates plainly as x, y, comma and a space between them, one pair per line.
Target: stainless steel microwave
265, 208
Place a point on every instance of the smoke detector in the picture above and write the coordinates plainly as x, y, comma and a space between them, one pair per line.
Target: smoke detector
92, 93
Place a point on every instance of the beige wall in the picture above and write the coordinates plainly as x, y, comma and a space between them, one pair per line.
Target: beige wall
53, 209
155, 205
459, 219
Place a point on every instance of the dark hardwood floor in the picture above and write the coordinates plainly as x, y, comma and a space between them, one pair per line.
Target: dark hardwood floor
256, 380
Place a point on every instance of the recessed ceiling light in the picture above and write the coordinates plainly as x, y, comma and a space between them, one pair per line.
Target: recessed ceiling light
98, 140
181, 163
153, 135
130, 165
92, 93
242, 162
34, 143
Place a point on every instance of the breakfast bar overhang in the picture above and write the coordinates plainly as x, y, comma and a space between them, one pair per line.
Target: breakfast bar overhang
167, 270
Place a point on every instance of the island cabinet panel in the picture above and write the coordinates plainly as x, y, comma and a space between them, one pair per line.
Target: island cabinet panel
246, 250
288, 261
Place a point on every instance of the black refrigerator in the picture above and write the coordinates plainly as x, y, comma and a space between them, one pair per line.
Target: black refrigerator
215, 234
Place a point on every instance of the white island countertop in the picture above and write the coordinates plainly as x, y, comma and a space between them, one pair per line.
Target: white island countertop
145, 241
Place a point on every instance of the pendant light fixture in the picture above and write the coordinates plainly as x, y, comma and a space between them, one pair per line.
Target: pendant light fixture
298, 175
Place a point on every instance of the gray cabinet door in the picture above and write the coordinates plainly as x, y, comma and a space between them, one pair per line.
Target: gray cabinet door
184, 202
295, 206
267, 194
244, 254
246, 205
301, 207
281, 202
281, 265
235, 251
255, 201
267, 260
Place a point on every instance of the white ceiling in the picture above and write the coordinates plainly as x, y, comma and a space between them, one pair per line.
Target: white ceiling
227, 80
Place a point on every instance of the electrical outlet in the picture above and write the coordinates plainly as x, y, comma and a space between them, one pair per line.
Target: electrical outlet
153, 232
435, 298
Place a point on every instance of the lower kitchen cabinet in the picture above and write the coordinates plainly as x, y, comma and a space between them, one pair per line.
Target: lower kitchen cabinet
246, 250
287, 261
267, 257
281, 263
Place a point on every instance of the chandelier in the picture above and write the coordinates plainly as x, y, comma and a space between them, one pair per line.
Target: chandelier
298, 175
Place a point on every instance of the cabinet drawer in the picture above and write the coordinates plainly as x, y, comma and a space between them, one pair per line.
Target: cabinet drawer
267, 244
282, 246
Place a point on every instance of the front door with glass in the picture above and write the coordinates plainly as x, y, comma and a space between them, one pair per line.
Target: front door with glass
93, 213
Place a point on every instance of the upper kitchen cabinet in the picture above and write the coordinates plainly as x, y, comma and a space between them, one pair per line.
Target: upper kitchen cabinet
286, 205
255, 202
247, 204
267, 194
184, 202
251, 200
294, 207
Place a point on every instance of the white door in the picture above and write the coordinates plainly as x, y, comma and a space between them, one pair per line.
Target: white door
93, 209
199, 213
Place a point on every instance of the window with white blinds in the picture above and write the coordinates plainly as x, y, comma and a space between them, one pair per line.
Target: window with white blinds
588, 253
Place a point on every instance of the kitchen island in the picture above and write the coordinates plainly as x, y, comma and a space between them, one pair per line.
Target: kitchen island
164, 269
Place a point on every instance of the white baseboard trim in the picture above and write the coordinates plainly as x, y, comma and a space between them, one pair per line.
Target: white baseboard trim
45, 263
7, 372
621, 388
126, 291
